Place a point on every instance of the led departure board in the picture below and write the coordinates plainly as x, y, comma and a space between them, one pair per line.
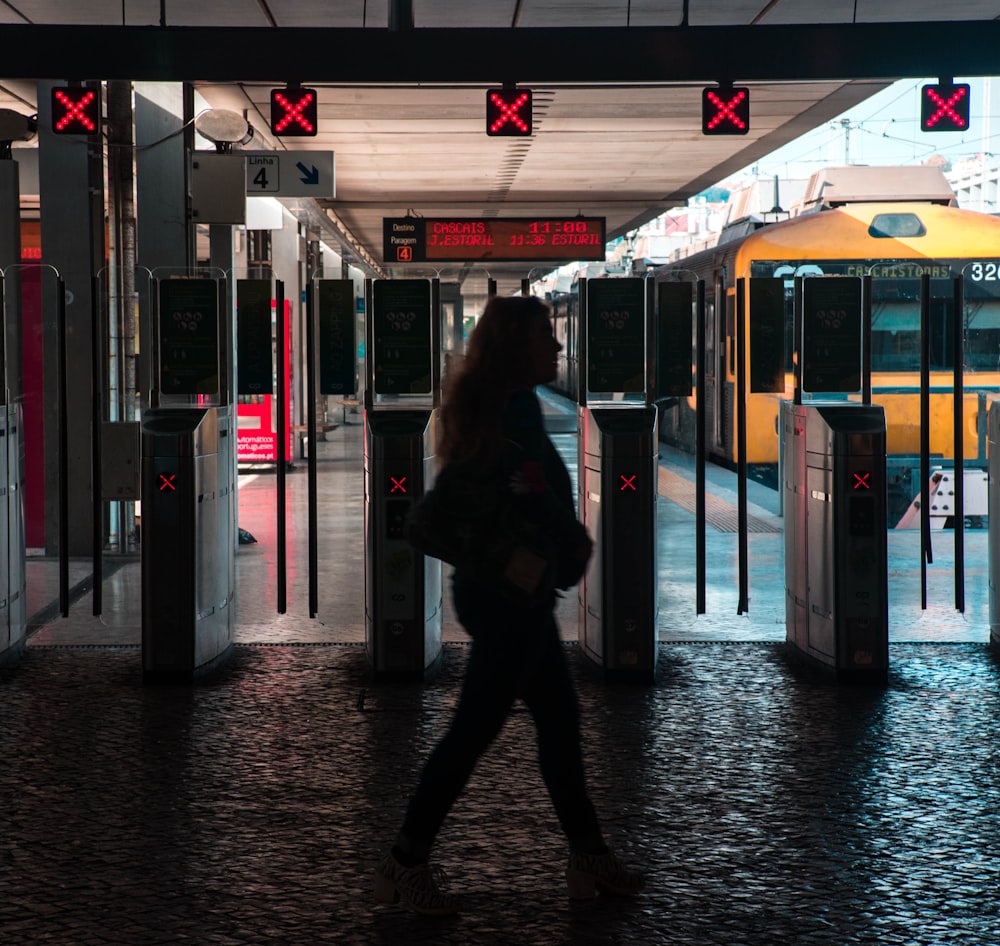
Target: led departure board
502, 239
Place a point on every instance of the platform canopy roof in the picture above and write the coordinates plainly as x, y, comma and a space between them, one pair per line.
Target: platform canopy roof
617, 89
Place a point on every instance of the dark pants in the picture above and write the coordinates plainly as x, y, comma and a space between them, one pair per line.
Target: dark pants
515, 654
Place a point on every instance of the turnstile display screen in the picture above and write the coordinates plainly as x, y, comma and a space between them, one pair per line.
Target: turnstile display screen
673, 339
337, 345
401, 319
254, 367
189, 336
831, 334
616, 335
767, 335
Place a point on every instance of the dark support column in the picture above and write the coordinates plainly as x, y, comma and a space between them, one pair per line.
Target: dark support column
121, 201
164, 236
221, 252
71, 181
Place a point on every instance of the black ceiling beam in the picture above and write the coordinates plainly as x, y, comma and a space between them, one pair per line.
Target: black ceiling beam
576, 55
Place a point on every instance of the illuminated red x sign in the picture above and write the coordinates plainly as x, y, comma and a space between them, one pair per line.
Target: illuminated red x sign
862, 481
725, 111
628, 482
293, 112
167, 483
398, 485
508, 112
75, 110
944, 107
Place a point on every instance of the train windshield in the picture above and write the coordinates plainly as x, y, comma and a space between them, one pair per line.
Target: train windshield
896, 308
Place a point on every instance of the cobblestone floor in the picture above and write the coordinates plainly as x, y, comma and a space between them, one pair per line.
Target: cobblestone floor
768, 807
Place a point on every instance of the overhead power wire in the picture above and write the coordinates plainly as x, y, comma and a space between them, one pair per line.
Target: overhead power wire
266, 10
763, 13
16, 12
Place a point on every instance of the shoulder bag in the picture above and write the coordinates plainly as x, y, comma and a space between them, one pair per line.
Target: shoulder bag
472, 520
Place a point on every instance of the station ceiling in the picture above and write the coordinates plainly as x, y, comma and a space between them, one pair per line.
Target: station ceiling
401, 87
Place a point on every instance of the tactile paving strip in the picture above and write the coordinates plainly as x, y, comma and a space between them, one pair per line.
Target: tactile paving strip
722, 516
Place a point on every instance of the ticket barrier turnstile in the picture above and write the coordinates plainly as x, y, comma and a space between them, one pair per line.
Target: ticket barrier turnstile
836, 571
617, 500
188, 545
403, 595
13, 593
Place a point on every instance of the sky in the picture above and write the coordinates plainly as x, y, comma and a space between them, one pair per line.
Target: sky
885, 129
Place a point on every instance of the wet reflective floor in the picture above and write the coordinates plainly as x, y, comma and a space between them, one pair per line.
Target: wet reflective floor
768, 805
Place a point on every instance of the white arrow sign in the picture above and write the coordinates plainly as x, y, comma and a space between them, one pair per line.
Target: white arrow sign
290, 174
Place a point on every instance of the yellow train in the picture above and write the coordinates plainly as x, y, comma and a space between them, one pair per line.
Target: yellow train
893, 224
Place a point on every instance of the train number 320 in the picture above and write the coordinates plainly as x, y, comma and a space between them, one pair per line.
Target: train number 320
984, 272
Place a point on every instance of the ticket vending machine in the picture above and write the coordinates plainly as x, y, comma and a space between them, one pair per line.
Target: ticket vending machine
617, 472
834, 491
403, 592
188, 488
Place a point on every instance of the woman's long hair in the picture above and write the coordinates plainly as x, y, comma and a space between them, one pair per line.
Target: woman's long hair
497, 362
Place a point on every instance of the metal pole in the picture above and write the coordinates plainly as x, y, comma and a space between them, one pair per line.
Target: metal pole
699, 466
311, 434
797, 340
96, 421
958, 403
651, 335
866, 339
436, 342
925, 434
581, 394
279, 400
741, 442
63, 450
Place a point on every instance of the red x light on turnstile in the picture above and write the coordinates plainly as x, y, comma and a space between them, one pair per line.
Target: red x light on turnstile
862, 481
167, 483
397, 484
628, 483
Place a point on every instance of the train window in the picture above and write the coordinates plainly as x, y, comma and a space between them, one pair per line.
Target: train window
897, 225
896, 337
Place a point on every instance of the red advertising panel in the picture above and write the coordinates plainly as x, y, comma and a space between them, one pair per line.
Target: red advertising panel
256, 414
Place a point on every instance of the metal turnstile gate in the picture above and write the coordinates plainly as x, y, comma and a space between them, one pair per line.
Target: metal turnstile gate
403, 597
618, 489
993, 556
188, 546
836, 571
13, 594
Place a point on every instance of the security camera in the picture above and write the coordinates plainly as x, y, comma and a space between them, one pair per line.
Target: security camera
16, 127
223, 127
